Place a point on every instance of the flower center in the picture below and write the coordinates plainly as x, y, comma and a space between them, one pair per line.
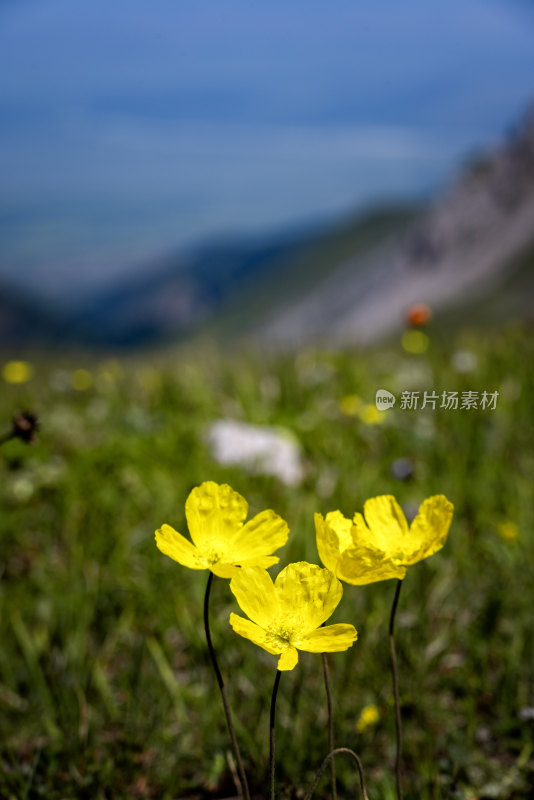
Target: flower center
281, 637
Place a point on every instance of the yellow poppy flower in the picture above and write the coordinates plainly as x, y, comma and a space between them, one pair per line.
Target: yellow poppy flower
17, 372
368, 718
81, 380
508, 531
287, 615
221, 542
382, 545
415, 342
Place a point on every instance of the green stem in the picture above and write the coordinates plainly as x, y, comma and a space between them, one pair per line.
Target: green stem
322, 768
241, 769
398, 722
271, 731
326, 672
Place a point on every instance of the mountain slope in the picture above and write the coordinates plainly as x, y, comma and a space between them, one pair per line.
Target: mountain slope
226, 288
350, 283
176, 296
309, 266
26, 322
462, 250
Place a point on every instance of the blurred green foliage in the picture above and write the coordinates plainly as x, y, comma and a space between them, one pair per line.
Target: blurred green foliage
105, 685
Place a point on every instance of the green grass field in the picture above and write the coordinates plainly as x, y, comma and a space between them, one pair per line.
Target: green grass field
106, 690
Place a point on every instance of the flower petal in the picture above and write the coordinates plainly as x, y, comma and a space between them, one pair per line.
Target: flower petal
214, 514
359, 528
361, 565
264, 562
429, 529
331, 639
327, 543
288, 659
249, 630
386, 522
177, 547
261, 536
307, 595
223, 570
342, 528
255, 593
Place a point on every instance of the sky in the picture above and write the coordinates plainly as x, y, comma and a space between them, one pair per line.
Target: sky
130, 130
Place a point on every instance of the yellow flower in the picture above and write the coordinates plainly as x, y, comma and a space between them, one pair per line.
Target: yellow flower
221, 542
508, 531
17, 372
81, 380
371, 415
368, 718
415, 342
351, 404
287, 616
382, 545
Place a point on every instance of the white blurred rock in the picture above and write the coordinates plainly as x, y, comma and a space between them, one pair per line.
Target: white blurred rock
257, 448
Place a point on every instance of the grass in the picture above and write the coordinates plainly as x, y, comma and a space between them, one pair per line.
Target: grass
105, 685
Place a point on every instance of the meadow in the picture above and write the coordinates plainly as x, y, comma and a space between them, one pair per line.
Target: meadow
106, 690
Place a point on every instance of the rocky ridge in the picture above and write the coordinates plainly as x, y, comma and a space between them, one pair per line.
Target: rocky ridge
458, 249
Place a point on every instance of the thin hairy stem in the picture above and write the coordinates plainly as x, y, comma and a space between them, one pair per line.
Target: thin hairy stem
398, 722
322, 768
272, 721
243, 788
327, 686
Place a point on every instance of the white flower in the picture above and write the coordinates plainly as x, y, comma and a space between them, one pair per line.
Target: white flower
257, 448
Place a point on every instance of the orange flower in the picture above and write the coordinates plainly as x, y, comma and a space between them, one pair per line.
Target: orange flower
418, 314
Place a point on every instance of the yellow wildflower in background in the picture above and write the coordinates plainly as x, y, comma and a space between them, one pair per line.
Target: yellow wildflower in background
109, 374
351, 405
371, 415
382, 545
81, 380
508, 531
17, 372
287, 615
221, 542
368, 718
415, 342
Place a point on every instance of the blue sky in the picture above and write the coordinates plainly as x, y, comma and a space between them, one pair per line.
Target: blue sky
130, 129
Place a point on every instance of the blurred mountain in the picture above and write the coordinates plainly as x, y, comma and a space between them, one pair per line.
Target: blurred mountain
223, 288
178, 295
470, 255
25, 320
